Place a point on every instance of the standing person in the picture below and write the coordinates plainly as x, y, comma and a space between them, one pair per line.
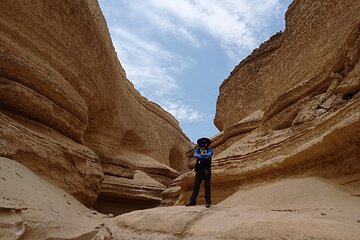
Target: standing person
203, 154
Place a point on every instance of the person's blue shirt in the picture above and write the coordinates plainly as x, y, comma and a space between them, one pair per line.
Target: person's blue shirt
199, 155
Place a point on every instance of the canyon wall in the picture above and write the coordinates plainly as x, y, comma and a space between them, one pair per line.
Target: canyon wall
286, 161
68, 112
290, 108
312, 47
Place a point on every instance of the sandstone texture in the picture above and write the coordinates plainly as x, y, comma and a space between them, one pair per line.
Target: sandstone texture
283, 209
290, 108
32, 208
320, 39
286, 163
68, 112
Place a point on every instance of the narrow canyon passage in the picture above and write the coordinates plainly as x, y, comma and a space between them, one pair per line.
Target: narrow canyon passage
83, 155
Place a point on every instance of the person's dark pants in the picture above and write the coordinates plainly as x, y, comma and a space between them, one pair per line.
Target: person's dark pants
199, 177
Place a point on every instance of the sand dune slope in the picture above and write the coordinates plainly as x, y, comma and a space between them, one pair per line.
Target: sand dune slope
293, 208
31, 208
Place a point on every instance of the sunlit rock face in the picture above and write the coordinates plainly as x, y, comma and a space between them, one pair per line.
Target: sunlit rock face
291, 107
68, 112
287, 207
286, 161
320, 40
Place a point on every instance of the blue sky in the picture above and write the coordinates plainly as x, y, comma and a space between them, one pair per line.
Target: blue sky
178, 52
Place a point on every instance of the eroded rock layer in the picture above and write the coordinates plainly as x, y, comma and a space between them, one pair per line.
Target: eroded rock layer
290, 208
292, 107
32, 208
66, 105
286, 161
315, 44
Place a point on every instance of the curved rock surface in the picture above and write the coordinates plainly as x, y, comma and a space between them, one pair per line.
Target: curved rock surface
313, 45
286, 161
66, 105
32, 208
285, 209
290, 208
292, 107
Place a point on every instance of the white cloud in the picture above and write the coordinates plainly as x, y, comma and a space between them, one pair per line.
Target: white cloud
147, 64
165, 25
150, 68
238, 25
181, 111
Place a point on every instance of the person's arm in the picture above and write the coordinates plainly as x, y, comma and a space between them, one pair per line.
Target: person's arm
196, 153
208, 154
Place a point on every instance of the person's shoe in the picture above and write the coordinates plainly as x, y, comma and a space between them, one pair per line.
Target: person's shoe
207, 205
190, 204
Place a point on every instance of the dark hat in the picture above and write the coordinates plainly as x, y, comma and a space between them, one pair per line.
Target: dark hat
204, 140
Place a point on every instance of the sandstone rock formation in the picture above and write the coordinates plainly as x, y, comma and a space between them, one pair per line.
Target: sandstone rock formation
290, 208
32, 208
305, 55
292, 107
286, 162
68, 112
285, 209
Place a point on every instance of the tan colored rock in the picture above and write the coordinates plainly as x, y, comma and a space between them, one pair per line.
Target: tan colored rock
325, 147
66, 104
114, 170
298, 208
53, 156
226, 138
11, 224
298, 115
32, 208
137, 161
120, 195
351, 85
172, 194
307, 113
140, 187
29, 103
244, 126
309, 126
143, 189
318, 39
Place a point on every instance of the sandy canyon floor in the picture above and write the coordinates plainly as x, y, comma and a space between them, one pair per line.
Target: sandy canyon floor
293, 208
